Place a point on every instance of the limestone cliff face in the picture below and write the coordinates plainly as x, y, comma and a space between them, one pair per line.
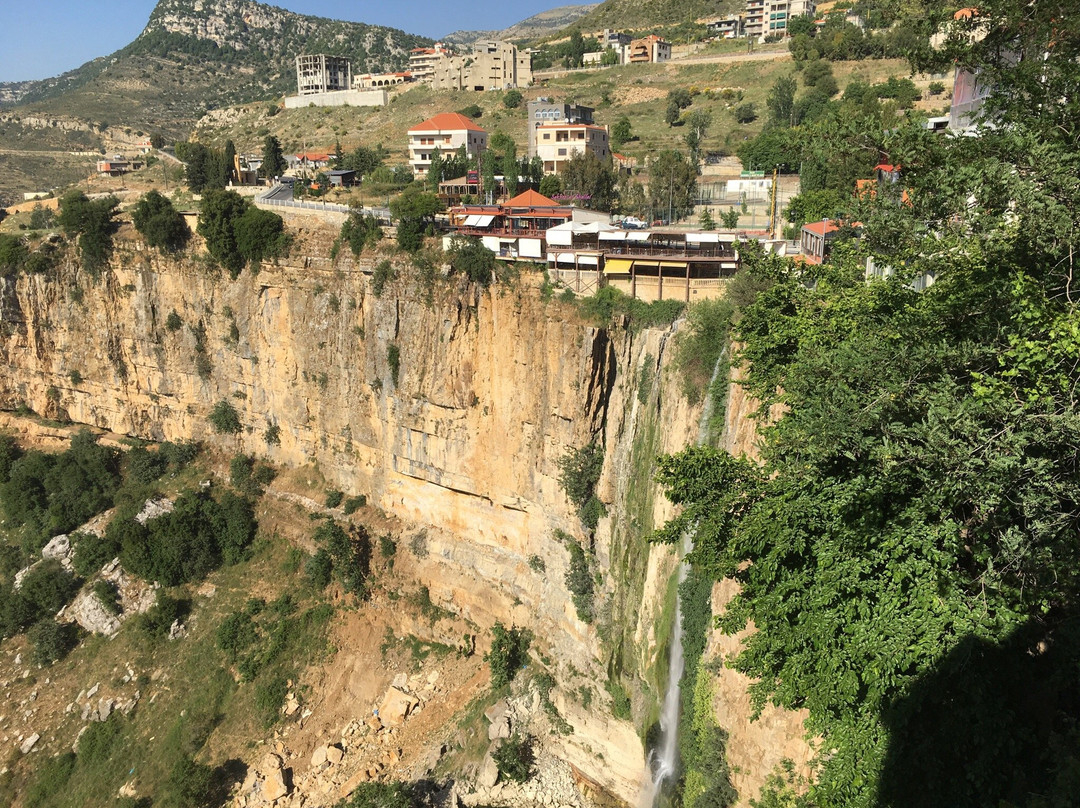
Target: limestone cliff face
450, 411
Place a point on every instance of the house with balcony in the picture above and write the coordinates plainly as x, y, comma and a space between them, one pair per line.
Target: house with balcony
422, 61
771, 17
543, 111
516, 230
651, 48
557, 143
447, 132
645, 264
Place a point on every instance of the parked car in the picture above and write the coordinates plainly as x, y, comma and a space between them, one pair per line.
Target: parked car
633, 223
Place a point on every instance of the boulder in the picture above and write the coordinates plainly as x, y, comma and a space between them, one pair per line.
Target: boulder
29, 743
274, 786
270, 763
153, 508
334, 754
59, 547
395, 707
318, 757
90, 613
488, 775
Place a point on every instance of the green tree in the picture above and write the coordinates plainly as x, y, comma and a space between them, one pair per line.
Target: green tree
745, 113
415, 211
94, 224
550, 185
509, 652
609, 57
470, 257
512, 99
621, 132
225, 419
160, 223
697, 126
781, 101
591, 179
273, 159
260, 234
672, 184
510, 173
515, 759
218, 215
729, 218
706, 221
435, 171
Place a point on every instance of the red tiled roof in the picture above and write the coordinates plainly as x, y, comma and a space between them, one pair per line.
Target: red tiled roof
312, 157
823, 227
887, 167
531, 199
447, 121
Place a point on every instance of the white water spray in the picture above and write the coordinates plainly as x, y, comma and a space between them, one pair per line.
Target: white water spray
663, 761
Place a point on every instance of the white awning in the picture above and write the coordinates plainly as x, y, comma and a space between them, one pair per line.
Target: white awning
613, 235
561, 238
638, 235
484, 221
591, 260
703, 238
565, 258
470, 221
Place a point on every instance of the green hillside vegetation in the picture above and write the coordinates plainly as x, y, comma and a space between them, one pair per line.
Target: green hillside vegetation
170, 74
906, 550
639, 14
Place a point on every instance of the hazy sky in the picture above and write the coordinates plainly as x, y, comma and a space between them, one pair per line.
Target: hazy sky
44, 38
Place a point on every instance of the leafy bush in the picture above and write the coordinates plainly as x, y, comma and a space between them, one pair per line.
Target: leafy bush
334, 498
579, 471
269, 696
272, 435
92, 552
160, 223
159, 618
509, 652
51, 641
393, 360
745, 113
236, 634
512, 99
580, 582
359, 232
93, 222
108, 594
188, 785
515, 759
381, 795
609, 304
700, 344
353, 504
350, 555
53, 494
319, 569
97, 741
469, 256
225, 419
196, 537
383, 273
143, 466
536, 564
471, 111
173, 321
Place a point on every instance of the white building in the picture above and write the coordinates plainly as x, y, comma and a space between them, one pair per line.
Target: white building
557, 143
447, 132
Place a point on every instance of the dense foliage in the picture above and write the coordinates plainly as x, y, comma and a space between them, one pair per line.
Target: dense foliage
509, 651
907, 548
93, 222
160, 223
238, 233
415, 211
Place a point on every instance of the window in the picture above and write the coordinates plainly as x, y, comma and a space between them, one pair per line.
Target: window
562, 152
547, 135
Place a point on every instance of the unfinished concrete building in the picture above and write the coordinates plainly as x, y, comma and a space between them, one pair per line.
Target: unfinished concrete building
322, 74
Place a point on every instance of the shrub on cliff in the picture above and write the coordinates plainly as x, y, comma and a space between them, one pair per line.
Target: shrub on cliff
514, 758
509, 652
93, 222
359, 232
217, 224
225, 419
470, 257
415, 210
260, 234
579, 471
160, 223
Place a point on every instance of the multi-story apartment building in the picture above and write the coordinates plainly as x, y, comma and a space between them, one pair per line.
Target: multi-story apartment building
447, 132
422, 61
557, 143
322, 74
491, 66
770, 17
545, 111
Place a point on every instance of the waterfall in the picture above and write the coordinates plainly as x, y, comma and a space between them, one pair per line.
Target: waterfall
663, 762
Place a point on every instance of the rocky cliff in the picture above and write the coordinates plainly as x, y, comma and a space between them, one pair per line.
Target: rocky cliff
449, 407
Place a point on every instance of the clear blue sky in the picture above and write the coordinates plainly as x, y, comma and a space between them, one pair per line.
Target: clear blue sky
43, 38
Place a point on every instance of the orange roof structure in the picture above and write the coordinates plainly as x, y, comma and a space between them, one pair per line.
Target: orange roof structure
313, 157
531, 199
447, 121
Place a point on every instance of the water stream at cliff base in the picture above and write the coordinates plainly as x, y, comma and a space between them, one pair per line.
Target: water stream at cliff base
663, 761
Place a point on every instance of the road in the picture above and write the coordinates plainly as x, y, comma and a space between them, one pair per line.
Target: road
715, 58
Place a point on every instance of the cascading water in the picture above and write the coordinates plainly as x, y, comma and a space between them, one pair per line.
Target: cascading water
663, 761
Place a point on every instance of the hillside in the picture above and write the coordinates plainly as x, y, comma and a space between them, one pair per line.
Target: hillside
193, 56
538, 25
629, 14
